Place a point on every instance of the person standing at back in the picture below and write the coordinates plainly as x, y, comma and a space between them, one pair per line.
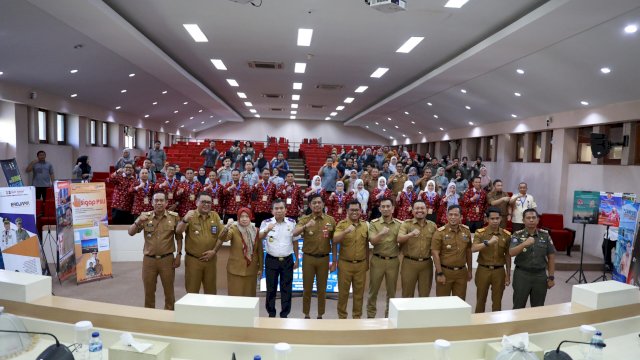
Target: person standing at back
211, 155
157, 157
43, 176
519, 203
329, 175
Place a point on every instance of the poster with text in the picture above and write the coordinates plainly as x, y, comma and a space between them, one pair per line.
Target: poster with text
627, 232
11, 172
64, 230
90, 231
586, 205
19, 245
610, 207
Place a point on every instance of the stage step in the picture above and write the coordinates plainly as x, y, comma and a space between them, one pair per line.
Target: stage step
572, 263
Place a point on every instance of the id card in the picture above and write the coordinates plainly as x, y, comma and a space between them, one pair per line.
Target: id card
192, 197
264, 198
237, 198
339, 210
429, 211
214, 229
215, 201
289, 202
477, 210
170, 196
146, 200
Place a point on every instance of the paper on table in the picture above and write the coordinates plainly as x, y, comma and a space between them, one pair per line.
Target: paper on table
128, 340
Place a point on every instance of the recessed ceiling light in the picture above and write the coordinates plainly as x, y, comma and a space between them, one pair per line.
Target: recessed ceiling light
118, 107
185, 103
219, 121
242, 95
299, 68
630, 29
166, 122
384, 129
455, 4
200, 110
514, 116
435, 116
410, 44
389, 118
470, 122
361, 89
194, 129
232, 82
420, 132
253, 111
191, 118
257, 115
294, 112
295, 97
181, 126
294, 106
413, 122
517, 94
195, 32
211, 116
327, 118
585, 103
390, 137
123, 91
304, 37
430, 104
377, 123
297, 86
333, 113
441, 129
339, 108
467, 107
403, 135
146, 115
218, 64
367, 126
154, 103
164, 92
349, 100
520, 71
463, 91
605, 70
406, 113
292, 117
132, 75
248, 104
175, 111
201, 122
379, 72
74, 95
396, 126
73, 71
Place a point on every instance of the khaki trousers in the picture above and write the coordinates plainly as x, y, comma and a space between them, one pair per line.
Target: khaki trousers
416, 272
350, 274
314, 268
200, 273
456, 284
486, 277
382, 269
151, 268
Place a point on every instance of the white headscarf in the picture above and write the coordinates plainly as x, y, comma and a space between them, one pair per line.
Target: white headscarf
392, 164
382, 186
362, 195
431, 194
339, 183
313, 183
406, 186
454, 199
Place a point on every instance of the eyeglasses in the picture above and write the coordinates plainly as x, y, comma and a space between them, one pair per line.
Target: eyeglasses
206, 202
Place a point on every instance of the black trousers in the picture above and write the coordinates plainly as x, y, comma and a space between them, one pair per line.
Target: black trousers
279, 271
607, 246
120, 217
41, 193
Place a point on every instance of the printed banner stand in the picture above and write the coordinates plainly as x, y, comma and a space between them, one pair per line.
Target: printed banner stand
11, 172
65, 258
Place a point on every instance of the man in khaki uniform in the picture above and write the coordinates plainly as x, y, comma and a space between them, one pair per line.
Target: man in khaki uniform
500, 200
159, 228
317, 231
383, 235
352, 235
493, 244
396, 181
451, 251
202, 228
415, 240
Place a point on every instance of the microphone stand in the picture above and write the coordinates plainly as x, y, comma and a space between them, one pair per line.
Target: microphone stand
53, 352
561, 355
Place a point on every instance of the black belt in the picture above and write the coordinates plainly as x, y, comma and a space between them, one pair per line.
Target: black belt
159, 256
190, 254
531, 270
279, 258
385, 257
454, 268
352, 261
317, 255
492, 267
418, 259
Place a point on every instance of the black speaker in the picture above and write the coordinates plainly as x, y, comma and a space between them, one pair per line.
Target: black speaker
600, 146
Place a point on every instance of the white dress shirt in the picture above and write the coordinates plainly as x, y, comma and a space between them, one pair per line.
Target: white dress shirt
279, 240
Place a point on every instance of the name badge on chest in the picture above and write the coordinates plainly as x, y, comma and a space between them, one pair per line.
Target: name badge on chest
214, 229
215, 201
170, 196
192, 197
264, 198
289, 201
145, 200
339, 210
237, 198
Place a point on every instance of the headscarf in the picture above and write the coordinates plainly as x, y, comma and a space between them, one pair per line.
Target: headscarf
362, 195
392, 165
406, 186
84, 166
315, 187
431, 194
248, 234
339, 183
382, 180
413, 171
454, 199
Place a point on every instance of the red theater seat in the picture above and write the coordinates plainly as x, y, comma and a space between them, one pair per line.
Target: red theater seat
563, 238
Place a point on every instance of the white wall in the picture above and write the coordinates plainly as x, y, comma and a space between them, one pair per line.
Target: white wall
294, 130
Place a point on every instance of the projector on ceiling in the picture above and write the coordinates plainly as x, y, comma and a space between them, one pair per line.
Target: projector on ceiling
388, 6
242, 1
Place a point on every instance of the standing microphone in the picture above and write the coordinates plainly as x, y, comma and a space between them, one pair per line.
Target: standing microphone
561, 355
53, 352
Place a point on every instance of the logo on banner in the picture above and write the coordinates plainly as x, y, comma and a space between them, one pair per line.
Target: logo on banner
20, 204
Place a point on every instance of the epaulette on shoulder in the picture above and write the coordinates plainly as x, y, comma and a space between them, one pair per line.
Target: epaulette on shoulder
375, 220
290, 219
507, 232
441, 228
544, 231
173, 213
398, 221
465, 226
480, 230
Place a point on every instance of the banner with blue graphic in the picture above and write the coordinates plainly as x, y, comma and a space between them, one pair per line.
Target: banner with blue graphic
627, 233
11, 172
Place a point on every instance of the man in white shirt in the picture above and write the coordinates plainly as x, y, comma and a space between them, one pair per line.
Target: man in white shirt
520, 202
8, 235
279, 264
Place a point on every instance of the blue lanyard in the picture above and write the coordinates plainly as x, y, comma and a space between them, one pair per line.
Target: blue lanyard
171, 183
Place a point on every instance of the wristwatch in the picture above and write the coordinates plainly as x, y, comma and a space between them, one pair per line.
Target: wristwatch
440, 273
184, 222
551, 277
486, 243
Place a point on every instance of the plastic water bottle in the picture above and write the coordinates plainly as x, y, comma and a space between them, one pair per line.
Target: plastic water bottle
596, 352
257, 357
442, 349
95, 347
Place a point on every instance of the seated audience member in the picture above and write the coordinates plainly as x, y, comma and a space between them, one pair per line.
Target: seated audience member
82, 169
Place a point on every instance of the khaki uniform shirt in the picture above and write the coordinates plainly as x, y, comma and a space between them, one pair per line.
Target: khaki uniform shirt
418, 247
317, 238
202, 233
493, 196
533, 257
453, 245
495, 254
388, 246
355, 244
237, 264
159, 233
397, 184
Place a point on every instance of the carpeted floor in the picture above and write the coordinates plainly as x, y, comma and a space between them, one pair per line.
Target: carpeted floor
126, 288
